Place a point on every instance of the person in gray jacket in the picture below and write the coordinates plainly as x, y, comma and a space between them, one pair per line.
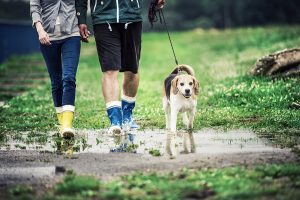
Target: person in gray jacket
57, 27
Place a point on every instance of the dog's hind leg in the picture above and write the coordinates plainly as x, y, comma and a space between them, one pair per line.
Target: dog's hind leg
168, 117
186, 143
192, 142
167, 109
191, 119
185, 119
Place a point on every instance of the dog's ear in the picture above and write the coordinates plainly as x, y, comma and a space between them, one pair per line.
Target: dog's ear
196, 86
174, 85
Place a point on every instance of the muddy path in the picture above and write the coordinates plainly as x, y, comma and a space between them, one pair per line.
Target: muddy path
96, 154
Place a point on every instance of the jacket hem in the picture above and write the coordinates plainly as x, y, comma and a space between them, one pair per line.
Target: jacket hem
115, 22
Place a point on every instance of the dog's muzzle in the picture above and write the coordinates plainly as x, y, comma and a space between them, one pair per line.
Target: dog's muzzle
187, 93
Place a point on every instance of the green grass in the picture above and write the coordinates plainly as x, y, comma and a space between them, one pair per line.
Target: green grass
20, 74
229, 97
154, 152
261, 182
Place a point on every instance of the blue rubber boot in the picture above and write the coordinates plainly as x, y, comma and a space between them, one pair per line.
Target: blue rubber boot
115, 117
128, 119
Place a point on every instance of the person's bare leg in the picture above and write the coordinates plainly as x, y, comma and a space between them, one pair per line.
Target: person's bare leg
110, 86
111, 94
130, 84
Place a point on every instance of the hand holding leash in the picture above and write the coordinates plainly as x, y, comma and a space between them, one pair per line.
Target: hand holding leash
160, 4
156, 6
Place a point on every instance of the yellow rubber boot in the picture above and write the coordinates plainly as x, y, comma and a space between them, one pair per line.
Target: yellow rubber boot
60, 121
67, 121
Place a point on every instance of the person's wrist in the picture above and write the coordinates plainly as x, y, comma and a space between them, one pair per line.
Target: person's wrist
39, 27
40, 31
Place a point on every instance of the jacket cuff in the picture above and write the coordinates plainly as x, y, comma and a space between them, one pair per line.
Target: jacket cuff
81, 17
36, 17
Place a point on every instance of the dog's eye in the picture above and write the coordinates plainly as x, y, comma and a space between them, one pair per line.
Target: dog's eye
190, 83
182, 84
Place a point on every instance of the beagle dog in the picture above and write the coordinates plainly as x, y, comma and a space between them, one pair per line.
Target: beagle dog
179, 95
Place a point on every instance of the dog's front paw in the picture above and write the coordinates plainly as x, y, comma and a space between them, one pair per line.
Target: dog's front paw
173, 154
171, 150
193, 150
171, 146
185, 151
190, 130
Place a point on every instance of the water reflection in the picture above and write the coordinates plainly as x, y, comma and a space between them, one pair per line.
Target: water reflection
173, 142
146, 142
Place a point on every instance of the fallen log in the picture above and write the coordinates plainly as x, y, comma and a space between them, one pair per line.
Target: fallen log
281, 63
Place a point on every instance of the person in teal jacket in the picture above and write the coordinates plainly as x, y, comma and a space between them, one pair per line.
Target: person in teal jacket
117, 28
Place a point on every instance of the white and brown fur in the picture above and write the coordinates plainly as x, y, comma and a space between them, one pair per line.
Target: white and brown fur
179, 95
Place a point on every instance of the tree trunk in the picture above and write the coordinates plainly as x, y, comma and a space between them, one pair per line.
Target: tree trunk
282, 63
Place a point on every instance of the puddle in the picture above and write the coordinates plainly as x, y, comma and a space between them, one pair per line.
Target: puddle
142, 142
13, 175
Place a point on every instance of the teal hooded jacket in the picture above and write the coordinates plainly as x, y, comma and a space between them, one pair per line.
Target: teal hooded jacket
109, 11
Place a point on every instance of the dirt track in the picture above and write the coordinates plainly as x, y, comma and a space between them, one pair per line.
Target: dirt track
214, 149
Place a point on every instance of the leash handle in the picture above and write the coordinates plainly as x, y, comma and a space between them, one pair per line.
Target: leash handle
166, 27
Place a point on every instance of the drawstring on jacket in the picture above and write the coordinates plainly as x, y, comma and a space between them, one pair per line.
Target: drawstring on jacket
109, 27
126, 25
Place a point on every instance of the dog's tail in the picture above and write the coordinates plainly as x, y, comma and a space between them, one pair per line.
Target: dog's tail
188, 69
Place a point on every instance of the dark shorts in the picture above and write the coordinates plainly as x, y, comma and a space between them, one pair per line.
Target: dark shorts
119, 48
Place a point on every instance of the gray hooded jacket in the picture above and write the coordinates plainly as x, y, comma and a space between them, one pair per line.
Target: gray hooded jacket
47, 11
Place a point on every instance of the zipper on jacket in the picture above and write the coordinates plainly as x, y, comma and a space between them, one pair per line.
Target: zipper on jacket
95, 6
118, 14
138, 4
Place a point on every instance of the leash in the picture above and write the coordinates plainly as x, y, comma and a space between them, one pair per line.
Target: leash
152, 16
166, 27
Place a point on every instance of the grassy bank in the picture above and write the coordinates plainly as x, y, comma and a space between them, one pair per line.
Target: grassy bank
261, 182
20, 74
229, 97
